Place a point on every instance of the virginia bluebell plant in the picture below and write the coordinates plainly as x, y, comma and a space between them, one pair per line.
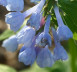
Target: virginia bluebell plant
35, 35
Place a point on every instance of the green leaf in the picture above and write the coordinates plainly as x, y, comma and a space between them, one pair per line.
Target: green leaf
6, 34
5, 68
73, 52
35, 68
70, 10
75, 36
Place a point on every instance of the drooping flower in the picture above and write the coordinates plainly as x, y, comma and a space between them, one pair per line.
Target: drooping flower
26, 35
10, 44
45, 58
35, 20
63, 31
27, 56
16, 19
36, 17
3, 2
59, 52
44, 38
15, 5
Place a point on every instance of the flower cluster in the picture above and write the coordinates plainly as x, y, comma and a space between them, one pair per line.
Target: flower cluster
36, 44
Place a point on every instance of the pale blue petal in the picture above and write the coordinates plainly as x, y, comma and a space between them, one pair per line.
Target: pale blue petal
15, 19
15, 5
43, 39
10, 44
55, 36
58, 16
3, 2
60, 53
35, 20
47, 24
26, 35
36, 17
38, 49
45, 58
64, 33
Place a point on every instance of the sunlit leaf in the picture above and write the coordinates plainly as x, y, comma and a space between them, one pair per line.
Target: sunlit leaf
5, 68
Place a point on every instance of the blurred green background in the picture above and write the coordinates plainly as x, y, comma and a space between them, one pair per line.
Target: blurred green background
9, 61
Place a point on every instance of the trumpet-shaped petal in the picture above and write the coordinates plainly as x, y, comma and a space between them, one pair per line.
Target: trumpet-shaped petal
25, 36
27, 56
36, 17
64, 33
15, 19
3, 2
60, 53
38, 49
47, 24
15, 5
35, 20
43, 39
10, 44
45, 58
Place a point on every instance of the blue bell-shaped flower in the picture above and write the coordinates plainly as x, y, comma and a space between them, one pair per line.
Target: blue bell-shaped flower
44, 38
35, 20
59, 51
36, 17
15, 19
27, 56
45, 58
10, 44
26, 35
63, 31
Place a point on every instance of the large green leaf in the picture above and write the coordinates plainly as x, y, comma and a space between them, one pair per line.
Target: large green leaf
70, 9
73, 52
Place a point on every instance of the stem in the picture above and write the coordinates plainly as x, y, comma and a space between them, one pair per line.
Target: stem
58, 16
47, 24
